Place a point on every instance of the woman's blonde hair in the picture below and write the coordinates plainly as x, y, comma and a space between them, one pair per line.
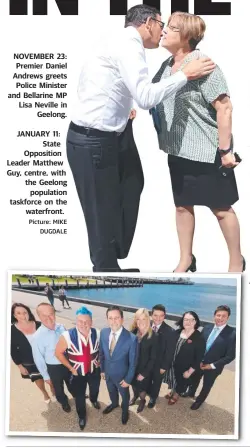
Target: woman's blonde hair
138, 313
192, 27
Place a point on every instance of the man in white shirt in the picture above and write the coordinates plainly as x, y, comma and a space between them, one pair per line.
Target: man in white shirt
111, 78
220, 350
43, 348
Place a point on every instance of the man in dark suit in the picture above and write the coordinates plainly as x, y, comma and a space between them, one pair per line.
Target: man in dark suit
220, 350
166, 347
118, 357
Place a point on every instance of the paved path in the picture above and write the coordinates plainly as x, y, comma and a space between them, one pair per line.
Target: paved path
29, 413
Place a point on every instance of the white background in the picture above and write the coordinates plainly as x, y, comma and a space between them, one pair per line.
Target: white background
155, 246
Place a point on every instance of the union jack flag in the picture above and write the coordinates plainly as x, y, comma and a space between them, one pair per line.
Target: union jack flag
82, 357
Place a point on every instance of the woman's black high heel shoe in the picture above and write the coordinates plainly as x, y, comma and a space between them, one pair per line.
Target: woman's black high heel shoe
244, 264
141, 406
192, 266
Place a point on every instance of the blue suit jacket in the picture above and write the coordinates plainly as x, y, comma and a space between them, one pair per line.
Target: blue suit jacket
222, 351
121, 365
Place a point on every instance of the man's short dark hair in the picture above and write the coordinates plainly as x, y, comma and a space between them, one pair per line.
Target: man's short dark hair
137, 15
114, 308
159, 308
223, 308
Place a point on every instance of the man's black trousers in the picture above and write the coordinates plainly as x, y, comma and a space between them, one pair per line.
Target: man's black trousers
155, 387
59, 374
79, 385
109, 180
209, 377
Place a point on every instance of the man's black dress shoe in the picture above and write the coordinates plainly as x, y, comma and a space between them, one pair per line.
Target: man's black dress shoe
130, 270
196, 405
82, 423
151, 403
96, 405
188, 393
66, 407
109, 409
184, 394
125, 417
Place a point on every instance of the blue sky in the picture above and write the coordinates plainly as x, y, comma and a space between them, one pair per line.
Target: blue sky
212, 280
216, 281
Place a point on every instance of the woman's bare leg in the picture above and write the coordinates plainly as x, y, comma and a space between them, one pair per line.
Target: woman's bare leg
185, 224
230, 228
41, 385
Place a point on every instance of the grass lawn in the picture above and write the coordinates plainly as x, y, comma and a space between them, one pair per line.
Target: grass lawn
45, 279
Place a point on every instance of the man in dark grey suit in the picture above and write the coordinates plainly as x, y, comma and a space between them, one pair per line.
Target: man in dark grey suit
167, 339
118, 356
220, 350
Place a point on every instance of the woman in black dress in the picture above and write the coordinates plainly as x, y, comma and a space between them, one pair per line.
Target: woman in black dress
23, 329
189, 351
146, 357
195, 129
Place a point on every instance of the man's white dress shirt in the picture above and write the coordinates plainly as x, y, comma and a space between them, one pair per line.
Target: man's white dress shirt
112, 77
156, 327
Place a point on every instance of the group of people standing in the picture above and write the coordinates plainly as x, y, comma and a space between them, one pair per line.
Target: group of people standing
150, 353
190, 103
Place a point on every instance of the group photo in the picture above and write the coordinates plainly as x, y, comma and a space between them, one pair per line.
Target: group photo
126, 185
100, 364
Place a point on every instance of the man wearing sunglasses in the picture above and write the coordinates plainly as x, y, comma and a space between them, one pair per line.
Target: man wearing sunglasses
100, 147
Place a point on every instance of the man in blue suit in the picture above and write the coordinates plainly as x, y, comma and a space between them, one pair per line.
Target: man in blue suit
220, 350
118, 357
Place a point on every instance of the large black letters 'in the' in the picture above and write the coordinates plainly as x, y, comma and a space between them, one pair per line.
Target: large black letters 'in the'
40, 7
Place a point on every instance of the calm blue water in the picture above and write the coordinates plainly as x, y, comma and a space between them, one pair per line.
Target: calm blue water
202, 298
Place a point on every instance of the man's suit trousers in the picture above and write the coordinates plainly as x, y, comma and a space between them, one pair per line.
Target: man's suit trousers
209, 377
109, 180
59, 374
155, 387
114, 388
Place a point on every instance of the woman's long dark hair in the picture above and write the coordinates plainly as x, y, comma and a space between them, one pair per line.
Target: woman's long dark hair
195, 316
14, 306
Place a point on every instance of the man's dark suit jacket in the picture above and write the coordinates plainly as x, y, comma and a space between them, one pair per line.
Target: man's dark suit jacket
167, 339
122, 364
222, 351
